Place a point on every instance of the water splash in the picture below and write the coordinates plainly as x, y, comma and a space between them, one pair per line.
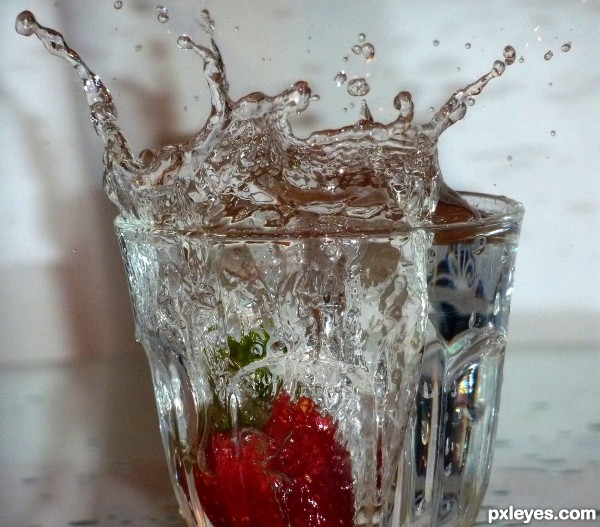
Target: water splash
245, 170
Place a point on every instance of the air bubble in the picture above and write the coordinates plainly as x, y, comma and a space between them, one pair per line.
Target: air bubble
566, 47
358, 87
548, 55
361, 37
340, 78
368, 51
118, 4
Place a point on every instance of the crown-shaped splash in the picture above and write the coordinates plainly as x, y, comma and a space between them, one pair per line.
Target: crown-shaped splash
245, 170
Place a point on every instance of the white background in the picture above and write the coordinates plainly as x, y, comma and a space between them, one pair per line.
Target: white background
62, 288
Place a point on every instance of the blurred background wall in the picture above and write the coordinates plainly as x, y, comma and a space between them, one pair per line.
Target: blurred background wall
532, 135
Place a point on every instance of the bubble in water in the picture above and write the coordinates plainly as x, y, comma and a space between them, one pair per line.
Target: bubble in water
552, 133
340, 78
163, 14
468, 45
368, 51
509, 54
436, 42
358, 87
566, 47
548, 55
356, 49
361, 37
118, 4
471, 101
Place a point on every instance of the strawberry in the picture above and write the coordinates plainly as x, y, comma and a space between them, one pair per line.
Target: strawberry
292, 473
235, 489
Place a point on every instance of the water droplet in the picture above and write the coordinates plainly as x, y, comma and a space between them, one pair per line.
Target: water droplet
206, 22
499, 67
358, 87
162, 14
361, 37
185, 108
236, 28
552, 133
346, 58
431, 109
196, 98
25, 23
118, 4
509, 54
340, 78
357, 50
138, 47
368, 51
548, 55
436, 42
315, 98
185, 42
468, 45
448, 469
509, 158
521, 60
479, 245
365, 112
470, 101
549, 84
566, 47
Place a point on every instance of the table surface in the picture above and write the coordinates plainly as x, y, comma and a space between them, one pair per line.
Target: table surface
79, 442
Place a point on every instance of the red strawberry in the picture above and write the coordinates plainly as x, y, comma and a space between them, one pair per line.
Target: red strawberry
294, 473
316, 487
235, 490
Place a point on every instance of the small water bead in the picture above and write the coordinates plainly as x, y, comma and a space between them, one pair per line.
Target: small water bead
138, 47
340, 78
356, 49
196, 98
468, 45
436, 42
185, 42
25, 23
358, 87
315, 98
509, 54
346, 58
361, 37
566, 47
549, 84
118, 4
521, 60
499, 67
206, 22
509, 158
552, 133
470, 101
548, 55
368, 51
162, 18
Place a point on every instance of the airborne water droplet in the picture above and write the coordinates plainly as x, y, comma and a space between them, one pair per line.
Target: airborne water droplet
358, 87
368, 51
118, 4
184, 42
468, 45
163, 14
472, 321
521, 60
566, 47
548, 55
356, 49
471, 101
509, 55
552, 133
436, 42
509, 158
315, 98
25, 24
340, 78
138, 47
365, 112
206, 22
361, 37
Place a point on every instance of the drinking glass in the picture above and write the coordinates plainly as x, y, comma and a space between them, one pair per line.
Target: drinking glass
327, 378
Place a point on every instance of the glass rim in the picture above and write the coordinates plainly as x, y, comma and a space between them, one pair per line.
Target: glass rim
509, 212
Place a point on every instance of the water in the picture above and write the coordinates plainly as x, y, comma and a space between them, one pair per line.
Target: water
297, 302
245, 169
